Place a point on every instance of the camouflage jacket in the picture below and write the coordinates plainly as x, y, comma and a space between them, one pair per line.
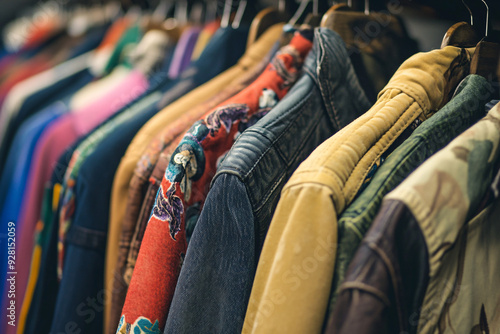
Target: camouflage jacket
429, 262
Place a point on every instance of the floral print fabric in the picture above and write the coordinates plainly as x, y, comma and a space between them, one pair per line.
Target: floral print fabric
186, 183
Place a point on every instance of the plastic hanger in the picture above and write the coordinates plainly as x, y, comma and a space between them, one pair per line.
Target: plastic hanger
486, 58
265, 19
461, 34
226, 16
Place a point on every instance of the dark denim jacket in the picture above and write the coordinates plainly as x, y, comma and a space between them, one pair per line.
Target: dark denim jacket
216, 279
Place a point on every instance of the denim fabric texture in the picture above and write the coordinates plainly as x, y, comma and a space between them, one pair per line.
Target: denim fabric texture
164, 118
246, 188
187, 179
298, 283
117, 251
146, 180
491, 104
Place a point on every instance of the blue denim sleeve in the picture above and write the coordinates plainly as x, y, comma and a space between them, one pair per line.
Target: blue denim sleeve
217, 275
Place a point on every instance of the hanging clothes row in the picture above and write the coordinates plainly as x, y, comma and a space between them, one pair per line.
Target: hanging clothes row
197, 168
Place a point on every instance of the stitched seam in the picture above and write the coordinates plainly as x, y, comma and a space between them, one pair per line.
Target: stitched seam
308, 135
367, 288
324, 96
358, 218
402, 127
268, 194
285, 130
308, 183
245, 174
383, 256
330, 173
408, 90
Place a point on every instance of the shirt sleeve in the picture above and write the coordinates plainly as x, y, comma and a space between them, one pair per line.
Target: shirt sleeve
294, 276
216, 278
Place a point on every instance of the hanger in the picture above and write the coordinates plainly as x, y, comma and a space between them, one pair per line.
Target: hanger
347, 22
486, 58
461, 34
313, 19
354, 28
210, 11
181, 12
160, 20
265, 19
299, 12
196, 13
239, 14
226, 16
161, 11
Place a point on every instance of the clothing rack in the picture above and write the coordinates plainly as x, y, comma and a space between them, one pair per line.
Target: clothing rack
254, 167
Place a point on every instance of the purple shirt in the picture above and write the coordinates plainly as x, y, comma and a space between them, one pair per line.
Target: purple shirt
183, 52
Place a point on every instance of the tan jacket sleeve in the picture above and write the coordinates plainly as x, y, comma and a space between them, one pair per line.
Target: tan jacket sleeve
296, 265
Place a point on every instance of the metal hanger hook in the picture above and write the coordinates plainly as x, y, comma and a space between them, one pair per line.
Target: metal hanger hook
470, 13
298, 13
281, 5
228, 4
487, 18
239, 14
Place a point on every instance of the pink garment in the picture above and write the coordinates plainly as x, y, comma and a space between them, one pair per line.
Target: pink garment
55, 139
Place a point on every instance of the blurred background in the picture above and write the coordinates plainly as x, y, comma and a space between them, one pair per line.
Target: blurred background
426, 20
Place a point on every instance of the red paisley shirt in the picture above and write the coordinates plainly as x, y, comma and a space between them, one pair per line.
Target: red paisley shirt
186, 183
